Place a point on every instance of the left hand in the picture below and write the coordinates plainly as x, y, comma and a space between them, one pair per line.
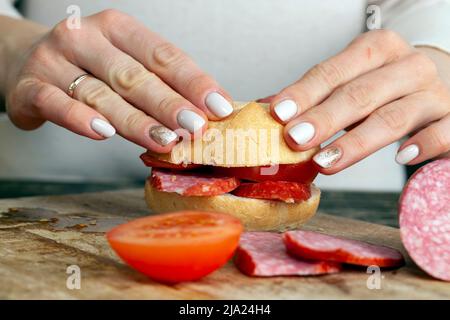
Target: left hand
381, 87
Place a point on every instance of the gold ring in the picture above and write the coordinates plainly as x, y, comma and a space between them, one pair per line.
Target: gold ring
75, 84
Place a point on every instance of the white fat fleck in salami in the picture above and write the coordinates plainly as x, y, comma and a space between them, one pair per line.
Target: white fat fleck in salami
424, 217
263, 254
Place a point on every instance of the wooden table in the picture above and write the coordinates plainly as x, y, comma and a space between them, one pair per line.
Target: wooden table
41, 236
376, 207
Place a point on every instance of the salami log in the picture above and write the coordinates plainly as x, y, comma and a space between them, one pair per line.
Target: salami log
192, 184
318, 246
263, 254
275, 190
424, 218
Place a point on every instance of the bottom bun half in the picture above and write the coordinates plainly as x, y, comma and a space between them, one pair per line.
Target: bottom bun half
255, 214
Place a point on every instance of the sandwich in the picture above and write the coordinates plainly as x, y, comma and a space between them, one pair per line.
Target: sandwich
240, 166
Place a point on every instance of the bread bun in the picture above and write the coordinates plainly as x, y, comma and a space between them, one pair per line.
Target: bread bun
255, 214
260, 143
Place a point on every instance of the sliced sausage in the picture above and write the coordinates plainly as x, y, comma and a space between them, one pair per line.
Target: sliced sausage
192, 184
263, 254
424, 218
318, 246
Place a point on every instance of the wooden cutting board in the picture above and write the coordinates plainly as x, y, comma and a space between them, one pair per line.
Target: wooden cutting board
41, 236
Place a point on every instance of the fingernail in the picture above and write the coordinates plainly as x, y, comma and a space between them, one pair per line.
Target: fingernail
162, 135
407, 154
103, 128
328, 157
190, 120
302, 133
218, 105
286, 109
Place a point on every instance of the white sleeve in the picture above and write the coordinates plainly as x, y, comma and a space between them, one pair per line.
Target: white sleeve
7, 8
421, 22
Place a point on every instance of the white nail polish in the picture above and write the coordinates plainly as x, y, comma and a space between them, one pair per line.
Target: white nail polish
218, 105
162, 135
286, 109
103, 128
327, 157
408, 154
302, 133
190, 120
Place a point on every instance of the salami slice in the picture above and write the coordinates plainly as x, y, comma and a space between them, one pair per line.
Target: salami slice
275, 190
192, 184
318, 246
263, 254
424, 217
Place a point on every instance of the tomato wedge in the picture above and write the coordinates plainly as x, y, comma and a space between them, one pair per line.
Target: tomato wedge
151, 161
179, 246
303, 172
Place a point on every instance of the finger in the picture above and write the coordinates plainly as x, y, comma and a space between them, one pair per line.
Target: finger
143, 89
100, 99
383, 127
368, 52
172, 65
428, 143
359, 98
51, 103
131, 123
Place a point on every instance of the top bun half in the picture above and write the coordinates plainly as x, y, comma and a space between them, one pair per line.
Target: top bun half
249, 137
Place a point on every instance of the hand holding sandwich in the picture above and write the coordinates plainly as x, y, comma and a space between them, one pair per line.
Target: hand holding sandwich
138, 84
380, 86
145, 89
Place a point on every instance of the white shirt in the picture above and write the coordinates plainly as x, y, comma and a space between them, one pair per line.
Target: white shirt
253, 48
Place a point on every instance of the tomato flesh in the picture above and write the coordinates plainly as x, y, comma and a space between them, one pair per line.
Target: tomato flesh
177, 247
304, 172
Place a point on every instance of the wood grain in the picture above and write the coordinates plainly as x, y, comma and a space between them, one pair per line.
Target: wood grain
41, 236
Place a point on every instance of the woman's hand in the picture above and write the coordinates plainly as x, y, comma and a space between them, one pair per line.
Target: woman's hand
380, 87
139, 84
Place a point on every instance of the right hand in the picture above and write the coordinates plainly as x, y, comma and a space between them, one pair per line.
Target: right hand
139, 84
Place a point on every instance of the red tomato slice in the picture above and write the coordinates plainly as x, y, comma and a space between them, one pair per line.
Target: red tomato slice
304, 172
150, 161
176, 247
